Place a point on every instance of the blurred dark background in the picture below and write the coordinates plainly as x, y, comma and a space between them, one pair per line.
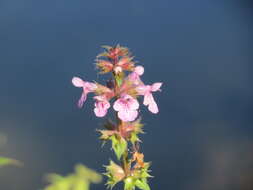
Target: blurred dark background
201, 50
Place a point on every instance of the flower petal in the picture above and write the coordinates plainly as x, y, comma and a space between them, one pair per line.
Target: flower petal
107, 105
142, 89
139, 70
100, 112
153, 107
82, 100
101, 106
117, 106
133, 104
126, 107
76, 81
156, 86
127, 115
150, 102
147, 99
89, 86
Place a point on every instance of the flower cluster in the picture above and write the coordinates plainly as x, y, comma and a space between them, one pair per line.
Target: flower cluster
121, 93
124, 90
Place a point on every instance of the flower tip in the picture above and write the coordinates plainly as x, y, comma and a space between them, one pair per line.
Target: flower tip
139, 70
156, 86
76, 81
81, 100
152, 107
80, 104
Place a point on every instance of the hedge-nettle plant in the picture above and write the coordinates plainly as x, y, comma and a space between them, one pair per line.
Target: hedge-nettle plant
121, 93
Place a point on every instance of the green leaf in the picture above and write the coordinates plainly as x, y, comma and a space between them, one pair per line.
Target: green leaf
8, 161
53, 178
80, 180
142, 185
134, 138
80, 184
119, 146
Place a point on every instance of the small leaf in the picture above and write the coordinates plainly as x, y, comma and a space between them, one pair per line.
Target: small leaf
142, 185
8, 161
134, 138
119, 146
106, 134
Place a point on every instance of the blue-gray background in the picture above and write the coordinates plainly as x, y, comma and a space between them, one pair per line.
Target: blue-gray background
201, 50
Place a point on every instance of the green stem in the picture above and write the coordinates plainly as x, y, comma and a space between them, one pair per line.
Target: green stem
124, 161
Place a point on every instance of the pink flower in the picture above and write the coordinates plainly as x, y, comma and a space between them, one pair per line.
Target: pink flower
135, 75
101, 106
127, 107
146, 91
87, 88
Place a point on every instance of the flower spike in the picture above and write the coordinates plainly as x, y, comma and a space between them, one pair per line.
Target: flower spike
121, 91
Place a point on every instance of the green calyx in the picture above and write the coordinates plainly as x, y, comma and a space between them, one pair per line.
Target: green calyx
138, 178
119, 145
115, 174
119, 77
